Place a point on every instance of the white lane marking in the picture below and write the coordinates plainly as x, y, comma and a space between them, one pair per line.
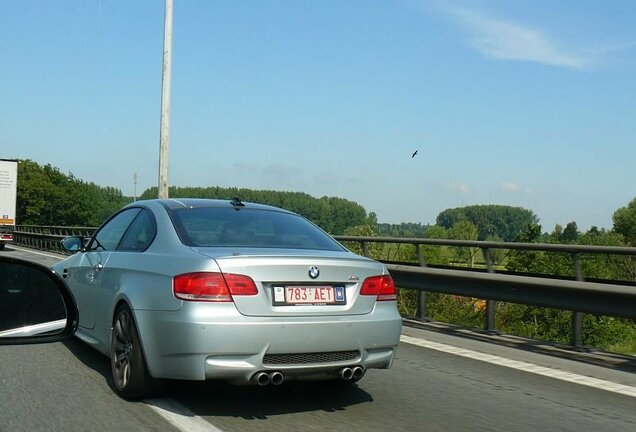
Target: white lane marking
523, 366
48, 255
179, 416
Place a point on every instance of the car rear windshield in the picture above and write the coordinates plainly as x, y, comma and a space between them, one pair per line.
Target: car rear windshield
251, 228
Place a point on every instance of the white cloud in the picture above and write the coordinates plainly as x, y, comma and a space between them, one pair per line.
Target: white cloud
515, 188
457, 188
506, 40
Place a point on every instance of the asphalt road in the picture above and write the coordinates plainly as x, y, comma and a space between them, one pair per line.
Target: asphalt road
67, 387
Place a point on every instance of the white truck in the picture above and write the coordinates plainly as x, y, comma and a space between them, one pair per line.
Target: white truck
8, 196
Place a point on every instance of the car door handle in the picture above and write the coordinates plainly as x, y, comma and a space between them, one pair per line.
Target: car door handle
98, 267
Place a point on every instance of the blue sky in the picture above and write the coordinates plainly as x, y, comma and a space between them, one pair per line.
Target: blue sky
526, 103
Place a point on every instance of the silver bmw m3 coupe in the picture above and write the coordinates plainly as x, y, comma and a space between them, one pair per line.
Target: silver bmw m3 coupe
198, 289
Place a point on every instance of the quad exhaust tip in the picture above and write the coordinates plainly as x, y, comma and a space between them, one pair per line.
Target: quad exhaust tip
358, 372
264, 378
354, 373
346, 373
276, 378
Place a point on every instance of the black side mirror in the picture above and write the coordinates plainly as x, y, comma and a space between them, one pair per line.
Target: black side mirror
36, 305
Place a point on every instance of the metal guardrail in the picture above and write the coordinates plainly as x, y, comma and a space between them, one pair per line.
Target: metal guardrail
598, 297
485, 245
47, 237
592, 297
609, 297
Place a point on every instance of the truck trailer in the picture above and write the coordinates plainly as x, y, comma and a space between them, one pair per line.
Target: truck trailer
8, 197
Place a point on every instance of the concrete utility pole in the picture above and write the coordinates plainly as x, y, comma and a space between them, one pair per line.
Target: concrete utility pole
165, 103
135, 187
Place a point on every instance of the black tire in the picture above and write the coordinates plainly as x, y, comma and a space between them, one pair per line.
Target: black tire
128, 366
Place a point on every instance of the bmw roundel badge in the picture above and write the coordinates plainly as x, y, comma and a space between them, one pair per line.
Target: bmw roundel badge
314, 272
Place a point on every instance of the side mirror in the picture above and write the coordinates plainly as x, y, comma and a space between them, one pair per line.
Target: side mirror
73, 244
36, 305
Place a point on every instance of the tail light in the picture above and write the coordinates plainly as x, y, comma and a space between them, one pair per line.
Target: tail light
381, 286
212, 286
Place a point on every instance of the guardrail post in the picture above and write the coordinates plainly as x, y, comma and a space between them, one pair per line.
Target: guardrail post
491, 305
421, 295
365, 249
577, 317
40, 240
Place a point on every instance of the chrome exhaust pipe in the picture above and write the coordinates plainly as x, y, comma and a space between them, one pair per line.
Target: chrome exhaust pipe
276, 378
346, 373
261, 378
358, 372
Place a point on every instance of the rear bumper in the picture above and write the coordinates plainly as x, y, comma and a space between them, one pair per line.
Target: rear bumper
210, 341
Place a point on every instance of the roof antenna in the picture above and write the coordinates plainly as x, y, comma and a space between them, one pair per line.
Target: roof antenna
236, 203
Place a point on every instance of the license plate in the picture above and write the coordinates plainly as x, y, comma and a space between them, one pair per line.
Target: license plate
292, 295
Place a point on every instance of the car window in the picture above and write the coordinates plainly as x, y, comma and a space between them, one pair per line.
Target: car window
108, 237
140, 234
214, 226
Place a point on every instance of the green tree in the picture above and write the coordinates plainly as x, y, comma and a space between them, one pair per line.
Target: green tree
605, 266
570, 233
436, 255
498, 256
46, 196
403, 230
465, 230
506, 222
540, 262
550, 324
625, 222
374, 250
332, 214
625, 225
33, 189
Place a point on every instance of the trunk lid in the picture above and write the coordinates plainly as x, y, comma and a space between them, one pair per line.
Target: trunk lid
340, 274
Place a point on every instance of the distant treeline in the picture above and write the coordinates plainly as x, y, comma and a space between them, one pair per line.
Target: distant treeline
46, 196
334, 215
404, 229
496, 222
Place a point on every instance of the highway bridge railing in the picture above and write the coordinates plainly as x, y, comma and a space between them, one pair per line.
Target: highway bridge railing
602, 297
47, 237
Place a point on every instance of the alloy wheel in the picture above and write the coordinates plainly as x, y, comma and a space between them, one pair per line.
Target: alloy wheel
122, 349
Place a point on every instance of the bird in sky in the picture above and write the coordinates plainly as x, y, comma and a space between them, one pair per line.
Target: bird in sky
414, 154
